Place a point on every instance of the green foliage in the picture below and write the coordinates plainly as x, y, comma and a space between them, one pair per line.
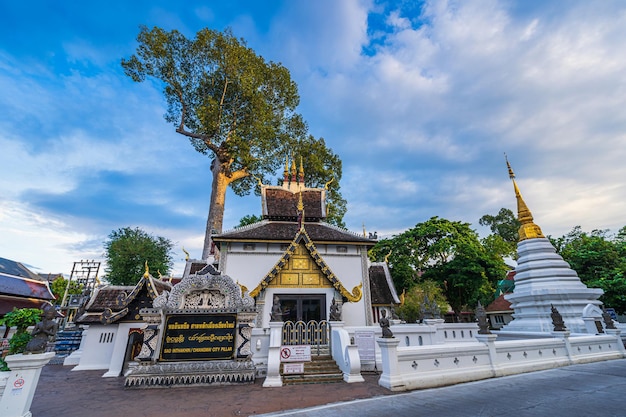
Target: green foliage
127, 252
600, 261
58, 288
231, 104
448, 253
3, 365
21, 318
249, 219
504, 225
17, 343
417, 297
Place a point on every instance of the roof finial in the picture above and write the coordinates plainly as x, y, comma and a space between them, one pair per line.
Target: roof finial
300, 211
286, 171
293, 170
528, 229
186, 254
301, 172
364, 234
147, 273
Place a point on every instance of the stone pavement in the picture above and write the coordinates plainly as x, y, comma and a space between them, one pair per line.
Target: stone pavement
595, 389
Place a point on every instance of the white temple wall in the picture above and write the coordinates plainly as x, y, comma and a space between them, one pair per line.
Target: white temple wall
98, 349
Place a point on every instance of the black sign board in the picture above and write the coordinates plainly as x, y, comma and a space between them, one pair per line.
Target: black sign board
198, 337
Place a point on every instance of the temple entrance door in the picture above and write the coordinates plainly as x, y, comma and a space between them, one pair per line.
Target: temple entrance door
303, 307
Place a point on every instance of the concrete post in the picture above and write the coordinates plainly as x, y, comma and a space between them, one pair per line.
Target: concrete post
564, 335
490, 341
618, 338
390, 378
22, 383
273, 378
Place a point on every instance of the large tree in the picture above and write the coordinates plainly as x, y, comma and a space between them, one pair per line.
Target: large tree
599, 260
128, 250
448, 252
231, 103
505, 231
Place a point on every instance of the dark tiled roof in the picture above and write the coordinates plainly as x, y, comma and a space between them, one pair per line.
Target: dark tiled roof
113, 303
285, 232
382, 290
23, 287
282, 204
106, 297
10, 267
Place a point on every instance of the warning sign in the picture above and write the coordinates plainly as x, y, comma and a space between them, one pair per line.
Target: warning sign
295, 353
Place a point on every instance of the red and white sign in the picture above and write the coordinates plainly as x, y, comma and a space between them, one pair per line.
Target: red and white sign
295, 353
19, 383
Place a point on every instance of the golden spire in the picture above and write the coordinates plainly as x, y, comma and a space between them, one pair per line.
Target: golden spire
300, 211
286, 171
301, 172
293, 170
528, 229
364, 234
147, 273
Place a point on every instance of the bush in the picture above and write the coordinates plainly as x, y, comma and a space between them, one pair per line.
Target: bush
21, 318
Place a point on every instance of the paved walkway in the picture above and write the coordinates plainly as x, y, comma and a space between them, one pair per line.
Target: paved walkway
595, 389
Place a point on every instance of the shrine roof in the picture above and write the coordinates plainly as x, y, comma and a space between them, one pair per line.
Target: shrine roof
281, 203
113, 302
17, 269
499, 304
279, 231
382, 289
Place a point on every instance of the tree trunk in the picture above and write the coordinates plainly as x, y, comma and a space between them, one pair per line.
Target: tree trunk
219, 185
215, 220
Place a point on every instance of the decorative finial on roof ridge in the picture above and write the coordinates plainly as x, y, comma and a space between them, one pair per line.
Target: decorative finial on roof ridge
286, 171
528, 229
186, 254
301, 172
146, 274
293, 170
328, 183
300, 211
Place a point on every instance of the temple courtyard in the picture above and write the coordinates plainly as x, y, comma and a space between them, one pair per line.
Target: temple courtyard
573, 391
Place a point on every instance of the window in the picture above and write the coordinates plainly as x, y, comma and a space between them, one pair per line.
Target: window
249, 246
342, 249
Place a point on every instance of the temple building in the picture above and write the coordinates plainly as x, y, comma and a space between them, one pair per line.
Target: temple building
543, 279
21, 288
294, 255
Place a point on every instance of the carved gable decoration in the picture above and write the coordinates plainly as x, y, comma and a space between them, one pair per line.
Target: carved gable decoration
205, 291
302, 265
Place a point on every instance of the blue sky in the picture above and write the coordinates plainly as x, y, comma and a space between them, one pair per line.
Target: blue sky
420, 100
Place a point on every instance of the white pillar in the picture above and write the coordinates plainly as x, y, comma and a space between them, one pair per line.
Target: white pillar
273, 378
390, 378
22, 383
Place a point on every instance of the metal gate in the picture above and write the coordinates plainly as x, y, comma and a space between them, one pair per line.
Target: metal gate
314, 333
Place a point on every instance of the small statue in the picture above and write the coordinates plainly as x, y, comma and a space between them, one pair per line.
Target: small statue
608, 320
481, 316
335, 311
384, 324
277, 311
557, 320
43, 332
